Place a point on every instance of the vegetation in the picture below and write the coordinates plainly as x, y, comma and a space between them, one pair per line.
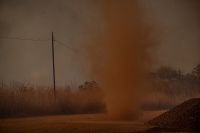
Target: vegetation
24, 100
165, 72
167, 88
196, 72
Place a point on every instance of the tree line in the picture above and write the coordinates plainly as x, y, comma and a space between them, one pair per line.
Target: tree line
169, 73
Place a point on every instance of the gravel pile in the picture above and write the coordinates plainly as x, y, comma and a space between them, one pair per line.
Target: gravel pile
185, 116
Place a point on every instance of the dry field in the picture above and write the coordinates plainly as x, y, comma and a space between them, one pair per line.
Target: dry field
26, 101
90, 123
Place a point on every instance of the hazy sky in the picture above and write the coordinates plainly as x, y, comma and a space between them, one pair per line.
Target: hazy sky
178, 30
175, 23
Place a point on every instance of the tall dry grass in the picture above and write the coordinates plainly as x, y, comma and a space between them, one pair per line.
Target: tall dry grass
24, 100
165, 94
20, 99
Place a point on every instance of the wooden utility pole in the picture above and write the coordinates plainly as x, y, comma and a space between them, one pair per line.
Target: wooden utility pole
53, 63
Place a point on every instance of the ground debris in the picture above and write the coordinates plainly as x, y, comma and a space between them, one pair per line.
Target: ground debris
185, 116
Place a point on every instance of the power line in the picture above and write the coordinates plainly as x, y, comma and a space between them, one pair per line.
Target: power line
38, 40
42, 40
52, 40
70, 48
23, 39
63, 44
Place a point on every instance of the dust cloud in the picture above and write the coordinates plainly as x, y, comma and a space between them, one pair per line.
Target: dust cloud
120, 58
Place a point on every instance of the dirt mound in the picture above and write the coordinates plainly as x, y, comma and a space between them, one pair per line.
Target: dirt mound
185, 116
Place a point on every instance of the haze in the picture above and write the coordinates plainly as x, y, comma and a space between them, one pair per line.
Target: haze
74, 23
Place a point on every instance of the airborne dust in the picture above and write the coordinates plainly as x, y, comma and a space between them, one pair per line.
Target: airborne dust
120, 58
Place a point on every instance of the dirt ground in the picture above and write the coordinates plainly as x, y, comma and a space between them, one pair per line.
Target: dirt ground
89, 123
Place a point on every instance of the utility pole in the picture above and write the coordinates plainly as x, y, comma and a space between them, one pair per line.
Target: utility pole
53, 63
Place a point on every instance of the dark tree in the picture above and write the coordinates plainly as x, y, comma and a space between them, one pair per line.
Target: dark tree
169, 73
196, 71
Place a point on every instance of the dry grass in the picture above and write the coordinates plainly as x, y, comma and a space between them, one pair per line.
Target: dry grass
24, 100
165, 94
17, 100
